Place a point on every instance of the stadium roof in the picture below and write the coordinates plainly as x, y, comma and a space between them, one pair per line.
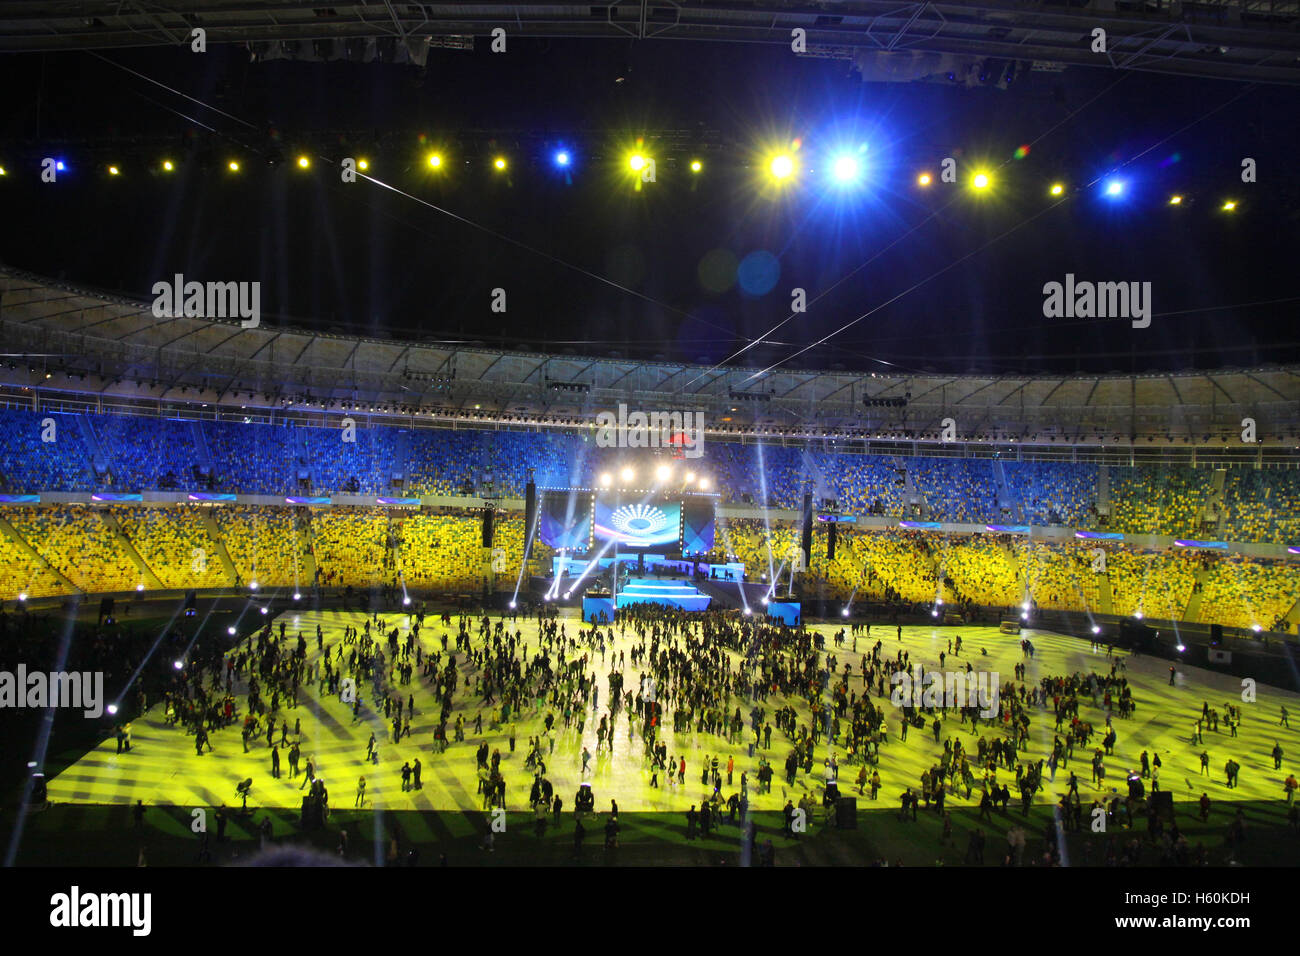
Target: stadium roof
1232, 39
75, 343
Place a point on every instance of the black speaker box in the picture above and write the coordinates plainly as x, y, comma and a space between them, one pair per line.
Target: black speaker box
846, 813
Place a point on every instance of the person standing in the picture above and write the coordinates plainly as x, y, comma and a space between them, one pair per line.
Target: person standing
361, 792
275, 762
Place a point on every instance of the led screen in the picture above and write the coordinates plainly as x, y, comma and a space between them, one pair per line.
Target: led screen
638, 525
564, 520
697, 526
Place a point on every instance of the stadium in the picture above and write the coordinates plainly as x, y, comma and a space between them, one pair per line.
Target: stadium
715, 548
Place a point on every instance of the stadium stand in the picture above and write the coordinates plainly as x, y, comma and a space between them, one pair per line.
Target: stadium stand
1055, 493
1060, 577
955, 489
175, 545
156, 453
263, 543
1262, 506
362, 547
352, 546
1154, 583
29, 464
251, 458
444, 552
1242, 593
78, 544
870, 483
1158, 500
24, 574
985, 569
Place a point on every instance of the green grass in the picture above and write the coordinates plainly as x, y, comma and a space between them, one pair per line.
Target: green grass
96, 835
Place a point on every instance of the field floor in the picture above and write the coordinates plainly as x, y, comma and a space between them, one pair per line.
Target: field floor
163, 770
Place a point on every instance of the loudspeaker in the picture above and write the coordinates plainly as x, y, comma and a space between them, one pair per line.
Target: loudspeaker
1216, 633
831, 535
806, 541
530, 517
488, 517
1162, 801
846, 813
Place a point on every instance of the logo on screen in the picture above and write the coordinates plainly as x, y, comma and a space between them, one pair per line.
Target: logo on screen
638, 524
639, 520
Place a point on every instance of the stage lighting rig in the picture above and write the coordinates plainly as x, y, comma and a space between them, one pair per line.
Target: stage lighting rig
886, 402
579, 387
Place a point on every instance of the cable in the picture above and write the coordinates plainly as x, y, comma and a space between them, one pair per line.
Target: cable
446, 212
170, 89
999, 238
1073, 113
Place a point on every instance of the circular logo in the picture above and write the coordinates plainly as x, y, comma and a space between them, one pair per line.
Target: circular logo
639, 520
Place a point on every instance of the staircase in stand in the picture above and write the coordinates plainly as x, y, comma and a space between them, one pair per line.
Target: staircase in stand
1192, 612
114, 527
1105, 594
218, 544
1007, 497
10, 532
305, 554
98, 459
1103, 490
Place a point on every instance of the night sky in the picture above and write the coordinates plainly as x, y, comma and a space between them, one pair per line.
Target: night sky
707, 261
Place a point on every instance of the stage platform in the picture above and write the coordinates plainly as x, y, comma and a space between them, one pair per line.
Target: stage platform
680, 594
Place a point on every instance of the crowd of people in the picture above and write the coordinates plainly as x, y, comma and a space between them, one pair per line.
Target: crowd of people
59, 451
686, 693
279, 546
